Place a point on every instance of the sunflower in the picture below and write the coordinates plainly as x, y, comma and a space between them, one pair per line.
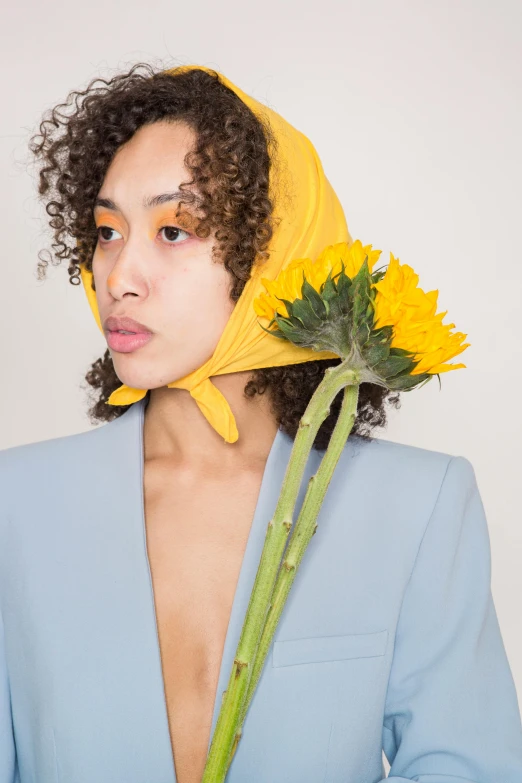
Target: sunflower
381, 322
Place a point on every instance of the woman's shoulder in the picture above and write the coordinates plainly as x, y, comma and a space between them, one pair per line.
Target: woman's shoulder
384, 458
65, 457
400, 480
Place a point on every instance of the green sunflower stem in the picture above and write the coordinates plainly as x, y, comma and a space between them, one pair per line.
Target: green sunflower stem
224, 738
302, 533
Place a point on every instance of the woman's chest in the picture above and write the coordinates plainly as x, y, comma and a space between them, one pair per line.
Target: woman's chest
196, 533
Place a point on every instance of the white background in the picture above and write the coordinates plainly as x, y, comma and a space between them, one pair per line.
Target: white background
415, 110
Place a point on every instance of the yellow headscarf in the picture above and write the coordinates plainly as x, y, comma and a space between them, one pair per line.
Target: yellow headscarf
311, 219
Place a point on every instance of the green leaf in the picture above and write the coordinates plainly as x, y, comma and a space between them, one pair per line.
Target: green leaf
287, 303
408, 382
376, 353
399, 351
314, 299
344, 285
384, 332
275, 332
393, 365
287, 330
363, 333
361, 293
328, 290
303, 310
336, 309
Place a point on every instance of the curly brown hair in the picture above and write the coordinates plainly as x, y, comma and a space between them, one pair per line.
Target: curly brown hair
230, 167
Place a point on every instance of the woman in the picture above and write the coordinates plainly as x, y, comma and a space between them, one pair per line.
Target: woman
129, 552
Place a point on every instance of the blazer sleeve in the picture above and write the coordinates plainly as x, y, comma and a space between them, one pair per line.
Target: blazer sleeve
7, 746
451, 712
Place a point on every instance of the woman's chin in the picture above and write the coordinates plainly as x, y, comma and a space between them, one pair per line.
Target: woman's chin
135, 372
146, 380
150, 375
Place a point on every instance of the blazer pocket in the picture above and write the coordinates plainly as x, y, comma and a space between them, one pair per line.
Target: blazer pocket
317, 649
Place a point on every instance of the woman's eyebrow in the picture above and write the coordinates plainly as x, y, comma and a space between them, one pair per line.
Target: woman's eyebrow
149, 201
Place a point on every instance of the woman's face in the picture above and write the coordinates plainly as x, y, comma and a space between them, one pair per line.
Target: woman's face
149, 265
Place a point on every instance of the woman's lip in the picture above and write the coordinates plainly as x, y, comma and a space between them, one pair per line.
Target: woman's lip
125, 343
116, 322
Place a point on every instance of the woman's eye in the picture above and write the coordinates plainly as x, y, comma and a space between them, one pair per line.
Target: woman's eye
172, 233
104, 232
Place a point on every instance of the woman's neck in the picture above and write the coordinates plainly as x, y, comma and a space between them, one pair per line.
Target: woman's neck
176, 430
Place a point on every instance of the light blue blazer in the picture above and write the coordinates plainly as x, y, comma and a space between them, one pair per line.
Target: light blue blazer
389, 639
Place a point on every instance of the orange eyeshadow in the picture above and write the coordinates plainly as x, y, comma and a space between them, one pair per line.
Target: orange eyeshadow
184, 220
107, 219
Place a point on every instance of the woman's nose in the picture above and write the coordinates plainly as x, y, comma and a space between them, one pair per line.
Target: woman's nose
127, 273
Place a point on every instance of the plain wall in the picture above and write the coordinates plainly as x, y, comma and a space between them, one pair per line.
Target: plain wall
415, 110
